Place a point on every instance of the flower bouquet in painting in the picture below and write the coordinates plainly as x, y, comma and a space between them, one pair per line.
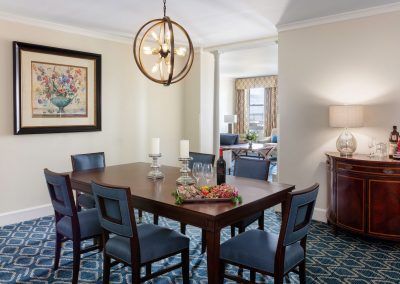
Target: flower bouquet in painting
217, 193
59, 90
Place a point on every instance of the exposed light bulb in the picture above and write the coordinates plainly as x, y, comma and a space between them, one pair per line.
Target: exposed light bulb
165, 47
168, 36
155, 68
154, 35
147, 50
180, 51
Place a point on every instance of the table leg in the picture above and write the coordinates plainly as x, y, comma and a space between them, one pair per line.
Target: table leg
213, 248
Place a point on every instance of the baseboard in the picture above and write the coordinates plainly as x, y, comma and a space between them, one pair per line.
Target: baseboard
17, 216
320, 215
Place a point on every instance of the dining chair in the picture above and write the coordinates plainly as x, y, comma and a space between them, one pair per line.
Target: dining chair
204, 159
71, 224
89, 161
135, 245
271, 254
83, 162
255, 169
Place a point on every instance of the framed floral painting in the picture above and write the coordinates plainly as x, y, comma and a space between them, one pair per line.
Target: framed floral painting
56, 90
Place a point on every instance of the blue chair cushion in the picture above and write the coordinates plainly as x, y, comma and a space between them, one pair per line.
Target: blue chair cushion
155, 242
86, 201
88, 223
249, 220
226, 139
256, 249
274, 139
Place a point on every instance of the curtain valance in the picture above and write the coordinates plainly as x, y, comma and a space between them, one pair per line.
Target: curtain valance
257, 82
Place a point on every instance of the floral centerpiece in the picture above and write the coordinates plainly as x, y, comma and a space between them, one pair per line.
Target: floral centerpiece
191, 193
251, 136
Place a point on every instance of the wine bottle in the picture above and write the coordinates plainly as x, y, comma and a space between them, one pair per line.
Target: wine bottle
221, 169
393, 140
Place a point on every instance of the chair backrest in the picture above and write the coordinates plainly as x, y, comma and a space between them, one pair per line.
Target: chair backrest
226, 139
115, 209
252, 168
201, 158
59, 186
299, 210
81, 162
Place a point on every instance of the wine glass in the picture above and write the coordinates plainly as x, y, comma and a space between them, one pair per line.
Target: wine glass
197, 171
208, 172
371, 146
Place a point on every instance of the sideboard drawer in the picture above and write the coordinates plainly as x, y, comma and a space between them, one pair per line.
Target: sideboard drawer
395, 171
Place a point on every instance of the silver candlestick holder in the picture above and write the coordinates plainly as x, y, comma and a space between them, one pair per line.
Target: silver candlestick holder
155, 172
185, 178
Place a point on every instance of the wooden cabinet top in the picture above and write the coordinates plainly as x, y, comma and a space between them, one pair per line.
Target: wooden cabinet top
363, 158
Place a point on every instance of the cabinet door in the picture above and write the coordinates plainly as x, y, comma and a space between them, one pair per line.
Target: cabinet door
384, 208
351, 202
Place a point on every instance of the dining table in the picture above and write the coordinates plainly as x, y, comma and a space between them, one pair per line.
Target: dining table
155, 196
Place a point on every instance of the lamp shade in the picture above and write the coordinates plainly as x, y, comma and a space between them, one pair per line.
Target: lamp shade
346, 116
230, 118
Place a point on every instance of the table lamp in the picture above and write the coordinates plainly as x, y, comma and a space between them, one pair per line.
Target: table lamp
230, 119
347, 116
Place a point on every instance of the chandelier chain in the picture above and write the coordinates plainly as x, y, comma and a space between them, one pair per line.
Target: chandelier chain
165, 7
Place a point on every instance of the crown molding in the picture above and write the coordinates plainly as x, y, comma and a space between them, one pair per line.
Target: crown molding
241, 45
111, 36
340, 17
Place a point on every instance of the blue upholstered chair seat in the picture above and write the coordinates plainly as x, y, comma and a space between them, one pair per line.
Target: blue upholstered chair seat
257, 249
249, 220
155, 242
86, 200
88, 222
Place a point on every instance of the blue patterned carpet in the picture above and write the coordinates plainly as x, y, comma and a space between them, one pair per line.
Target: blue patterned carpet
27, 251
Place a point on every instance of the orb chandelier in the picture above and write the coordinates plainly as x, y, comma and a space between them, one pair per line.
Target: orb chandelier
157, 54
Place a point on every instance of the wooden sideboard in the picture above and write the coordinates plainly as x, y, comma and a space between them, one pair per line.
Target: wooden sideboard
364, 195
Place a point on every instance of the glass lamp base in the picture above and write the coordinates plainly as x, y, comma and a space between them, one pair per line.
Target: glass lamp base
346, 144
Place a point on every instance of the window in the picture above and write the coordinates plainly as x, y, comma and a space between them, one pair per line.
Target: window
256, 109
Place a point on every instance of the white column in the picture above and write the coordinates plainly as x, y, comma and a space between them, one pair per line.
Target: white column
216, 145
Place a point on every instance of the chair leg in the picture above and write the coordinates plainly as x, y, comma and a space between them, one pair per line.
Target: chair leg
278, 278
240, 270
261, 222
57, 250
302, 272
221, 272
155, 219
106, 269
140, 213
148, 269
203, 241
183, 228
136, 274
232, 231
185, 266
241, 229
76, 260
252, 276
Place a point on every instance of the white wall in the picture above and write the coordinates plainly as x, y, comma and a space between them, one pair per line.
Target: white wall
350, 62
134, 110
226, 101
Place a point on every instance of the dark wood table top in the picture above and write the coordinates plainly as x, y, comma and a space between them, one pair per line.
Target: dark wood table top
135, 176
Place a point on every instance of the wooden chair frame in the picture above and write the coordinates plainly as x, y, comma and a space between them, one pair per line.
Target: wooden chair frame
135, 251
279, 272
76, 233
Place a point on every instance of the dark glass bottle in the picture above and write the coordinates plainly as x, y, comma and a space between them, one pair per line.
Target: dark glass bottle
394, 136
221, 169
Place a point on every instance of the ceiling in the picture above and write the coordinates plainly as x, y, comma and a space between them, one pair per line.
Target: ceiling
253, 62
209, 22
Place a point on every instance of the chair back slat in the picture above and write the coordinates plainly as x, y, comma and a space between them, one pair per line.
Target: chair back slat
201, 158
300, 210
252, 168
60, 191
115, 213
82, 162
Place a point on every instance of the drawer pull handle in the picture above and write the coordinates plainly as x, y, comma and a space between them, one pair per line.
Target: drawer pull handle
388, 172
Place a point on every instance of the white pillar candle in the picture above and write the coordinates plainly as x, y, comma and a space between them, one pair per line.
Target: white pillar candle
155, 146
184, 149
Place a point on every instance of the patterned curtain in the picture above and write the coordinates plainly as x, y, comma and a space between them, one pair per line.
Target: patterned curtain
242, 109
270, 120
